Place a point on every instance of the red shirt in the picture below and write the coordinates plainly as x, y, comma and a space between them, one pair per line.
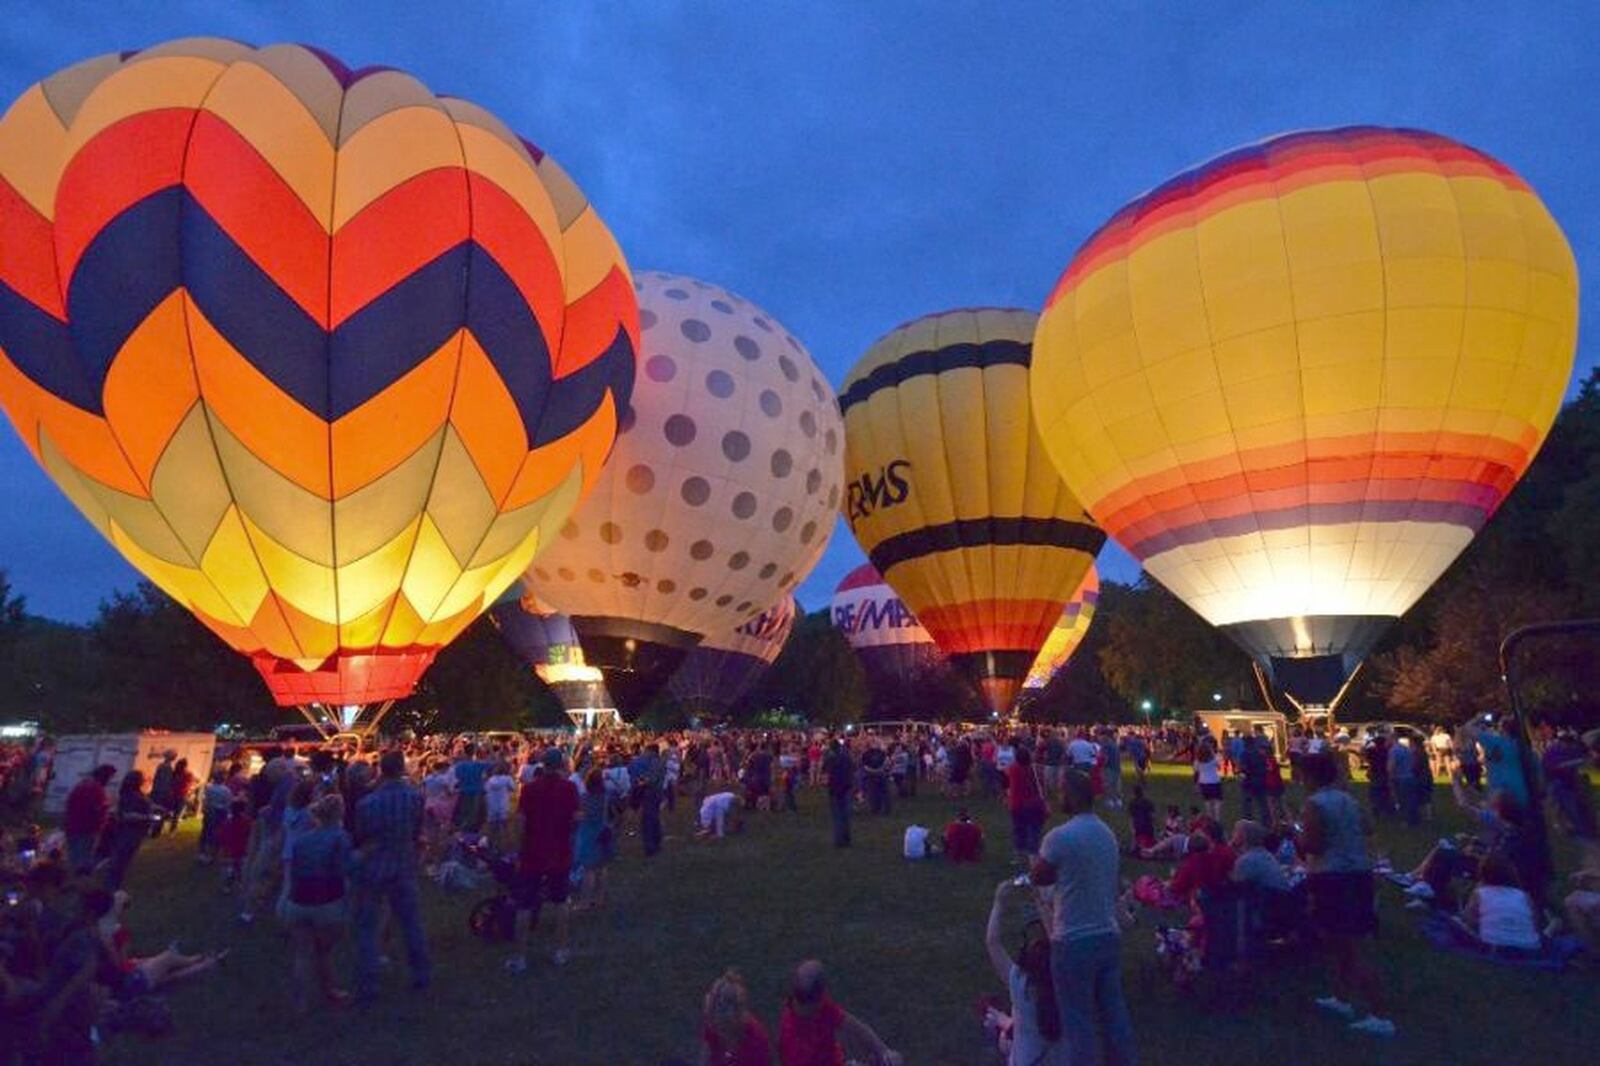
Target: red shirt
233, 836
811, 1040
549, 806
753, 1048
1202, 869
1022, 788
963, 841
87, 806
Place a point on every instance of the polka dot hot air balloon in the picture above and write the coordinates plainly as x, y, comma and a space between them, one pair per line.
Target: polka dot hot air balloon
1067, 634
952, 496
1296, 380
324, 355
719, 499
719, 670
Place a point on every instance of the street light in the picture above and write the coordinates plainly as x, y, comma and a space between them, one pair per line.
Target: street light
1216, 697
1146, 706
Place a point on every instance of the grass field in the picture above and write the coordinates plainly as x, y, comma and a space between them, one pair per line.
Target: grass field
903, 943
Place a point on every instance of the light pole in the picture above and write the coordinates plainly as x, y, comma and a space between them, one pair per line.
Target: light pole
1146, 706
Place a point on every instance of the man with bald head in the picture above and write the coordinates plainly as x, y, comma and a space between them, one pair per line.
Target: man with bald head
812, 1023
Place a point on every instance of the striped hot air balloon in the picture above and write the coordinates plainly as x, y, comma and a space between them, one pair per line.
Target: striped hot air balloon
1296, 380
1067, 634
719, 670
892, 645
327, 357
950, 492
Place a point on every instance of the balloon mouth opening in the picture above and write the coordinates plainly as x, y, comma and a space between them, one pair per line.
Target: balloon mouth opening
636, 658
1310, 658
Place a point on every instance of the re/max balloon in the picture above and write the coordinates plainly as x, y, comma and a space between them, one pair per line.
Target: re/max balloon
895, 651
1296, 380
951, 494
327, 357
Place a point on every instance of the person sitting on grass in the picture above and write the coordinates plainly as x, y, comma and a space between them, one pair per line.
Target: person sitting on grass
963, 838
1030, 1035
1255, 864
1499, 914
716, 811
812, 1024
731, 1034
137, 976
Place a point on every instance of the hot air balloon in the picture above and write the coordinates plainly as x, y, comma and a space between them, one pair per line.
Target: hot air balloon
951, 494
1067, 634
720, 496
324, 355
893, 647
722, 667
548, 644
1296, 380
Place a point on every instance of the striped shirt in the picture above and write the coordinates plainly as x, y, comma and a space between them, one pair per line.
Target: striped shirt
388, 823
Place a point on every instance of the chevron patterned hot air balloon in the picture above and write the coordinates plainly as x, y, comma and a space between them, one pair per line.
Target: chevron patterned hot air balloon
1067, 634
949, 490
1296, 380
327, 357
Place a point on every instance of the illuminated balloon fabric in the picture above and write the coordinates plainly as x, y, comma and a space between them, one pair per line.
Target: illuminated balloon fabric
548, 644
1296, 380
719, 498
322, 354
893, 647
722, 667
952, 496
1068, 633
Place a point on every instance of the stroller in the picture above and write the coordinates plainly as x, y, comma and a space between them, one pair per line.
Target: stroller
494, 918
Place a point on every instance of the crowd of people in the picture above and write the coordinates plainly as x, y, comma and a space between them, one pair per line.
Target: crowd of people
335, 844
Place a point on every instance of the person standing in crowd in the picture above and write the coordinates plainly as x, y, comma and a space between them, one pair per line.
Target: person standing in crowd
549, 809
810, 1028
497, 793
129, 828
647, 775
1501, 761
1440, 750
1026, 803
875, 777
161, 794
1208, 777
387, 839
214, 802
1379, 793
88, 804
1079, 860
1339, 889
841, 772
1404, 768
314, 902
470, 774
1110, 759
594, 845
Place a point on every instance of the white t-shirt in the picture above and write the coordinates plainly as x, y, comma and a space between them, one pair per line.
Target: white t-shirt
497, 794
715, 809
438, 787
916, 845
1505, 917
1004, 756
1207, 772
1083, 752
1028, 1046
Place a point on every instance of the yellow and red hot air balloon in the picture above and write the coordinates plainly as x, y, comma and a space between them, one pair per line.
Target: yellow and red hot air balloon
950, 492
1067, 634
1296, 380
327, 357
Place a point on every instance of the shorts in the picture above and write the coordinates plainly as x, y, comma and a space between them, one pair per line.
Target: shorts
331, 915
1211, 792
1342, 903
531, 890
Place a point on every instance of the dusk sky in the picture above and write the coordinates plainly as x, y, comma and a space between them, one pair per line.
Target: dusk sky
849, 166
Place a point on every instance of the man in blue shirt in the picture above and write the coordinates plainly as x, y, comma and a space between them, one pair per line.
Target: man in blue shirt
388, 826
470, 774
1503, 762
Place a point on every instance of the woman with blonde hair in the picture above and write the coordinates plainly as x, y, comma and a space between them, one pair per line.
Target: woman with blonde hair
314, 904
731, 1035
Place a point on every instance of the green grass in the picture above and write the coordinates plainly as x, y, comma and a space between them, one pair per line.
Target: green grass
903, 943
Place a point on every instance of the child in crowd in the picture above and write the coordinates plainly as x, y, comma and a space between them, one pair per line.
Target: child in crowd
1142, 814
233, 841
214, 804
497, 793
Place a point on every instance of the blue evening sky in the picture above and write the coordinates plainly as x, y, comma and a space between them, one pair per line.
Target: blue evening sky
853, 165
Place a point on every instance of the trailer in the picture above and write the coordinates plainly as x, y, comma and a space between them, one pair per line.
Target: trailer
77, 756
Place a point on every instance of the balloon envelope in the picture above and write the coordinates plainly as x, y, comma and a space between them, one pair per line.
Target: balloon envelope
1296, 380
1067, 634
325, 356
723, 667
549, 645
719, 498
894, 649
952, 496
